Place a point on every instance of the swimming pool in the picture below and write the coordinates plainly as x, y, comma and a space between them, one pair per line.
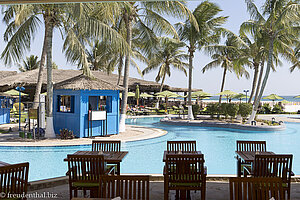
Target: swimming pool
218, 146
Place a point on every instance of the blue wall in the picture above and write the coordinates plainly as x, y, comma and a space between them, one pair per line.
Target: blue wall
4, 115
78, 120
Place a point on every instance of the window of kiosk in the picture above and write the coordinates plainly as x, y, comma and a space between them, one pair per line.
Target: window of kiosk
65, 103
100, 103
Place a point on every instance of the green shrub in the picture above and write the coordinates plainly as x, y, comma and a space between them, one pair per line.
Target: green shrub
195, 109
266, 109
232, 109
212, 109
245, 109
223, 109
277, 109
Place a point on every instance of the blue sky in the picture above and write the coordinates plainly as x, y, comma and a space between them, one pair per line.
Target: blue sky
281, 82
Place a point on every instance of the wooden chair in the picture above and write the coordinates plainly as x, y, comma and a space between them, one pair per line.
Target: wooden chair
184, 146
184, 172
274, 166
14, 179
126, 187
256, 188
84, 172
243, 145
106, 145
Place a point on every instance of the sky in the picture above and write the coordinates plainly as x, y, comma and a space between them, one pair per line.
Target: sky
281, 82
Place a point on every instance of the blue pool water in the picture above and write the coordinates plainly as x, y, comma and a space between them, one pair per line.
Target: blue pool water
218, 146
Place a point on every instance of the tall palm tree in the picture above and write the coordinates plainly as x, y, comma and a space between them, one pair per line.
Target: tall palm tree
277, 21
147, 16
226, 56
30, 63
168, 55
196, 36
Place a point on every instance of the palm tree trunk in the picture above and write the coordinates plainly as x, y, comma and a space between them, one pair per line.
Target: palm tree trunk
259, 81
162, 82
189, 104
41, 69
223, 83
49, 133
264, 83
128, 20
120, 69
256, 69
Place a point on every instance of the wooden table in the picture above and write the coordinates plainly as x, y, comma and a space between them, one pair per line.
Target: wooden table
173, 152
3, 164
111, 157
248, 157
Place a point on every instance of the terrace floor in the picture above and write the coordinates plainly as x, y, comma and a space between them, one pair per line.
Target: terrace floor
214, 191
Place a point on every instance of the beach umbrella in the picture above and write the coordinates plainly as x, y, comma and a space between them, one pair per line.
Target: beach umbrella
200, 95
297, 97
239, 96
273, 97
130, 94
167, 94
285, 102
146, 95
137, 94
227, 93
14, 93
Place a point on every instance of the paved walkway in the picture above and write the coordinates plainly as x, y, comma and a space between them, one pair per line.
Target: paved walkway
132, 133
214, 191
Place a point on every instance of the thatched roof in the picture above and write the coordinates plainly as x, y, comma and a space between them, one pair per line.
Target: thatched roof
83, 82
4, 74
29, 79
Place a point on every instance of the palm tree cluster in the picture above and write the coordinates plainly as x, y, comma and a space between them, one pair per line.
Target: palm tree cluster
108, 36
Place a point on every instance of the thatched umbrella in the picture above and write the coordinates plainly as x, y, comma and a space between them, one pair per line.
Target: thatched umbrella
227, 93
239, 96
14, 93
273, 97
167, 94
297, 97
146, 95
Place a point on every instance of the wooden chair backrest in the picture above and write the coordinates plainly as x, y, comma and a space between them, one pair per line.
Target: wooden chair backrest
273, 166
126, 187
14, 179
106, 145
185, 168
184, 146
254, 188
251, 145
85, 168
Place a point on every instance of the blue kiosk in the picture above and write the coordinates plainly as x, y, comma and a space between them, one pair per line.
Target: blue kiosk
87, 106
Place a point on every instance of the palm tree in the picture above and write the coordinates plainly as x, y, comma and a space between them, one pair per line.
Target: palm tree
197, 36
30, 63
226, 56
147, 16
296, 63
168, 55
280, 28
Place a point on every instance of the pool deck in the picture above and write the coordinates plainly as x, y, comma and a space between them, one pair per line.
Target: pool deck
215, 190
132, 133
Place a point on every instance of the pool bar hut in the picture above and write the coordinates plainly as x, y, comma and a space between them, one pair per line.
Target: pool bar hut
87, 106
